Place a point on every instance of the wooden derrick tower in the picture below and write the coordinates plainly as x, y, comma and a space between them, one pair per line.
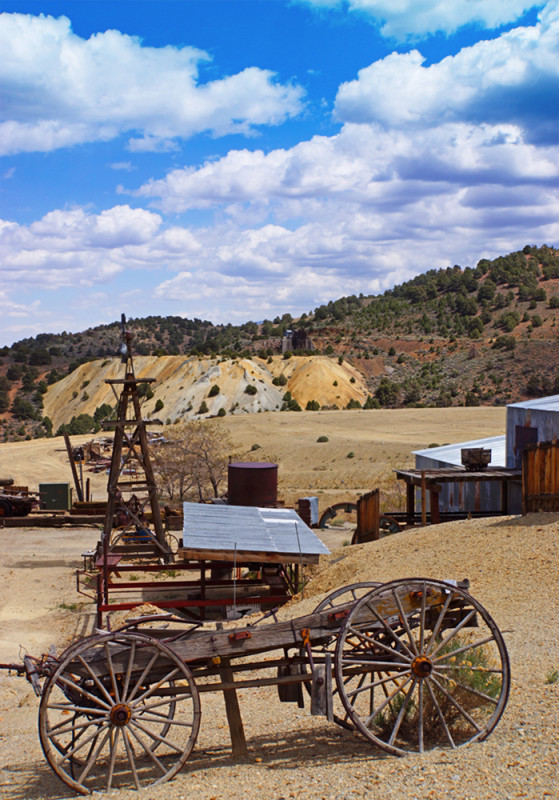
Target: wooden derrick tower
131, 488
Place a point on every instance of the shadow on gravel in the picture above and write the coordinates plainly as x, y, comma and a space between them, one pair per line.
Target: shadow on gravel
291, 751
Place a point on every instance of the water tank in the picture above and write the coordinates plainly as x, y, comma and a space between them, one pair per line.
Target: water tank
253, 483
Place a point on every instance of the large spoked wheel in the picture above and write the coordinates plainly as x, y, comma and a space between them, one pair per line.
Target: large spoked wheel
120, 711
420, 664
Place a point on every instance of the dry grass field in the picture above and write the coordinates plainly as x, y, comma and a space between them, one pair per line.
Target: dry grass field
381, 440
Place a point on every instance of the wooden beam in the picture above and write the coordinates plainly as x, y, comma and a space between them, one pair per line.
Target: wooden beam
246, 556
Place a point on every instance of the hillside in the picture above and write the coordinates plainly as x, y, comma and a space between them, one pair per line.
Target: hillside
456, 336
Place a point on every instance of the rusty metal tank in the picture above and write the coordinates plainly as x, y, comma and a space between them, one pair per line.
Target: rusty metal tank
253, 483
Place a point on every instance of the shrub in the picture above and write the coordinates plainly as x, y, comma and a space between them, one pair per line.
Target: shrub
280, 381
313, 405
250, 389
353, 403
214, 391
554, 301
221, 412
323, 439
255, 447
158, 405
203, 408
351, 454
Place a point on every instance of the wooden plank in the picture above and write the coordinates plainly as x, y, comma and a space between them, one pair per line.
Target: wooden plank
246, 556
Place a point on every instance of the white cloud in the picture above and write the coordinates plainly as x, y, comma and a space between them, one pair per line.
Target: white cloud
513, 78
407, 19
73, 248
60, 89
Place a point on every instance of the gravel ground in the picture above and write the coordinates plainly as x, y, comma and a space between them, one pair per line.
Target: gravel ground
513, 568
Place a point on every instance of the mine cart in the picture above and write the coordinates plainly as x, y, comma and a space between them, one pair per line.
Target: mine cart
412, 665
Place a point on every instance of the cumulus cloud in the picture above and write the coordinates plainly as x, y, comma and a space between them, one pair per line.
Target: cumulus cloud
362, 165
511, 79
408, 19
60, 89
73, 247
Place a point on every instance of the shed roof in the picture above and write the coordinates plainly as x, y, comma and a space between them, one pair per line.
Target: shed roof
451, 453
550, 403
268, 534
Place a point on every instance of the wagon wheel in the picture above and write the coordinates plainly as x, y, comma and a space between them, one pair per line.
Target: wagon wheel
120, 711
419, 664
339, 597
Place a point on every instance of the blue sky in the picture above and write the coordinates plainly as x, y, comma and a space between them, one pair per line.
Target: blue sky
239, 159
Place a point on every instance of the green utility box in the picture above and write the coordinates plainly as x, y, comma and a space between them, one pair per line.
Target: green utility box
56, 496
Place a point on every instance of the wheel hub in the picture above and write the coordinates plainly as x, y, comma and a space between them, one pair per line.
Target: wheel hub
422, 666
120, 714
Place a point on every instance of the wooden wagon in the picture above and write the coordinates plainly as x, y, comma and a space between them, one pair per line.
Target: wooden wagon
412, 664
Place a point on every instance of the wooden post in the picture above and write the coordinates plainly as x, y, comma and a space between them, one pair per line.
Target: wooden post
423, 498
79, 491
236, 730
435, 510
410, 502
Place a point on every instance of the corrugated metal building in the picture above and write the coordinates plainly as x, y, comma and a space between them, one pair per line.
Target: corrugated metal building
528, 422
465, 496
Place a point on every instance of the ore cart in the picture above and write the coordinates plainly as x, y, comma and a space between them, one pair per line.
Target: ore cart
412, 665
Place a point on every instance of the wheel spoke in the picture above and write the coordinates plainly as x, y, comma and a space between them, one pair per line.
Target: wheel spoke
111, 671
402, 712
453, 632
463, 649
130, 755
94, 678
155, 736
131, 657
142, 677
82, 709
96, 699
456, 705
439, 621
420, 716
404, 621
366, 638
75, 748
93, 758
387, 700
422, 621
147, 749
154, 687
161, 718
467, 688
158, 703
373, 685
114, 748
390, 631
440, 715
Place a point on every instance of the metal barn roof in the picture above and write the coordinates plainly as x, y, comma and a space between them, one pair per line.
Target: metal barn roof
550, 403
451, 453
270, 534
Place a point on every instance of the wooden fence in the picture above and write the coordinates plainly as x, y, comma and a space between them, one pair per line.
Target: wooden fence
540, 477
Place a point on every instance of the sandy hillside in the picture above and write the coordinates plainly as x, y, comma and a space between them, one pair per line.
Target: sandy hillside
182, 383
380, 440
513, 568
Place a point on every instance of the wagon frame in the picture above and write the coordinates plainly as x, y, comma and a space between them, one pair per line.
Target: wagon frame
412, 664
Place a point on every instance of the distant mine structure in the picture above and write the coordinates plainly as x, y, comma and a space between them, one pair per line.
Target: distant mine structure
296, 340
